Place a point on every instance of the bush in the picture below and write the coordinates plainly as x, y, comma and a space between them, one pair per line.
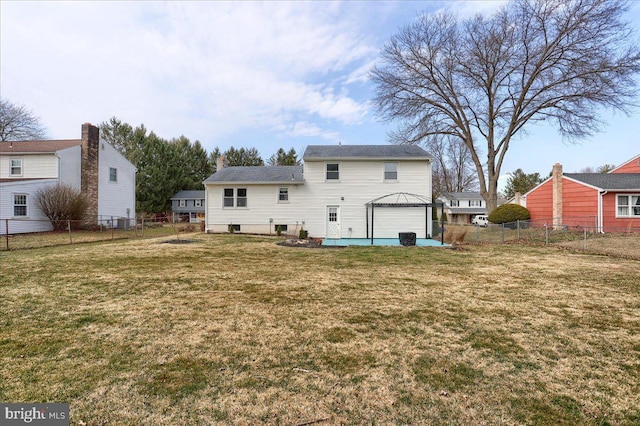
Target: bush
61, 203
509, 213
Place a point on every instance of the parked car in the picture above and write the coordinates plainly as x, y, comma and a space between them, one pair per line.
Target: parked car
480, 220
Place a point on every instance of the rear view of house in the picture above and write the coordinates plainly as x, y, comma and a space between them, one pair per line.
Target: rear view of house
606, 202
88, 164
341, 191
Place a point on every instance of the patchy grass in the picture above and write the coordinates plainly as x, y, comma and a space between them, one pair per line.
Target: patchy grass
234, 329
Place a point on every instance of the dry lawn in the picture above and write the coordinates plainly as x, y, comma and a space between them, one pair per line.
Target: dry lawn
234, 329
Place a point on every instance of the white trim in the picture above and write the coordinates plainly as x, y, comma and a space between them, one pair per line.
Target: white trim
339, 164
637, 157
629, 206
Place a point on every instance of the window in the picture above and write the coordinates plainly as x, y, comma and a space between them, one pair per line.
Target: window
16, 167
390, 171
198, 203
228, 197
182, 203
20, 204
628, 205
333, 171
283, 228
113, 174
241, 199
454, 203
475, 203
234, 228
283, 195
234, 197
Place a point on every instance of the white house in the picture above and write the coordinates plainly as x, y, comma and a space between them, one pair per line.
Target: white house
88, 164
341, 191
461, 207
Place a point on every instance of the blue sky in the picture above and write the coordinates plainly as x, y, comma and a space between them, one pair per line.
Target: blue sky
244, 74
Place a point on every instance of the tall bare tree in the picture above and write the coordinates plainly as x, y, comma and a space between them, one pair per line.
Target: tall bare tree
17, 123
484, 80
453, 169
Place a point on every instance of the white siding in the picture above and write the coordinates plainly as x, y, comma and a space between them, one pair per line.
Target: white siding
114, 198
70, 160
34, 166
360, 182
35, 221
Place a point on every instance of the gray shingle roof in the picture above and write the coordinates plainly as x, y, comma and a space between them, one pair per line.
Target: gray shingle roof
188, 195
608, 181
462, 195
257, 174
389, 152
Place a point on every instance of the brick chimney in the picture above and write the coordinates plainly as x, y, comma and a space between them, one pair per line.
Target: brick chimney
556, 177
220, 163
89, 167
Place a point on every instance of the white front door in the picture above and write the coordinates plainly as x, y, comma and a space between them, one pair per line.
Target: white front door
333, 221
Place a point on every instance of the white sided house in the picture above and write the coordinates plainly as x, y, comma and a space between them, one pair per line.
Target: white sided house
88, 164
341, 191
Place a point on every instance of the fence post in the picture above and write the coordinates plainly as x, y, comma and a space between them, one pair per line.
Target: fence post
585, 238
518, 229
69, 228
546, 234
502, 233
6, 231
477, 233
112, 227
142, 226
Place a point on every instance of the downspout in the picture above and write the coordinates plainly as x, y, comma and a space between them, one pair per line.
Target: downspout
599, 219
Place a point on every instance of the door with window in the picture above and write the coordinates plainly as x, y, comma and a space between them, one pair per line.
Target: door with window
333, 221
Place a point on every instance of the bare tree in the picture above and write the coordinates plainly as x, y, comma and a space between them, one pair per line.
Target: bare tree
484, 80
453, 169
17, 123
62, 203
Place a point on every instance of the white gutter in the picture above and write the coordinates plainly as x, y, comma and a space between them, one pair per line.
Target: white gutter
599, 220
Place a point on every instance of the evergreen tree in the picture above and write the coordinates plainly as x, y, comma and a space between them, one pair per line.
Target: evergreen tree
283, 158
521, 182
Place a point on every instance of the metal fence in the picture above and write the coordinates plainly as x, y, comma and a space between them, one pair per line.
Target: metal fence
19, 234
620, 241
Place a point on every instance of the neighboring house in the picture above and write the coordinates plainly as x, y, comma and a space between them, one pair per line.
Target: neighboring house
88, 164
188, 206
605, 201
461, 207
341, 191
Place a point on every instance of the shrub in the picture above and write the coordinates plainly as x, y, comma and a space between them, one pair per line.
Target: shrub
61, 203
303, 234
509, 213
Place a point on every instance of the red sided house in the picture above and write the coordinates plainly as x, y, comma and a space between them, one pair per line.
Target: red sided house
608, 202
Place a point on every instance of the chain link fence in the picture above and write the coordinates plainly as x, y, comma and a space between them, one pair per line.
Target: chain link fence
17, 234
611, 240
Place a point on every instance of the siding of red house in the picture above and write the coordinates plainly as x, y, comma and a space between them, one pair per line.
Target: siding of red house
609, 221
579, 204
539, 202
631, 166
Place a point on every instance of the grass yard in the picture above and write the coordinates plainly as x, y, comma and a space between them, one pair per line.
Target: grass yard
234, 329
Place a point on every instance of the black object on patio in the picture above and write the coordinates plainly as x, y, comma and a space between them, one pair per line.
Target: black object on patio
407, 238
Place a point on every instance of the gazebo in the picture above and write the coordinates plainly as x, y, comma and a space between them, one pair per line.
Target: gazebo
402, 200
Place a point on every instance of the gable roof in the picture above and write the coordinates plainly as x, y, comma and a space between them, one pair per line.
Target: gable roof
609, 181
188, 195
37, 147
371, 152
257, 174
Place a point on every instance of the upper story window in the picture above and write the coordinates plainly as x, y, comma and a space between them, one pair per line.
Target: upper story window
234, 197
390, 171
283, 195
19, 204
15, 167
198, 203
182, 203
475, 203
333, 171
113, 174
628, 205
454, 203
